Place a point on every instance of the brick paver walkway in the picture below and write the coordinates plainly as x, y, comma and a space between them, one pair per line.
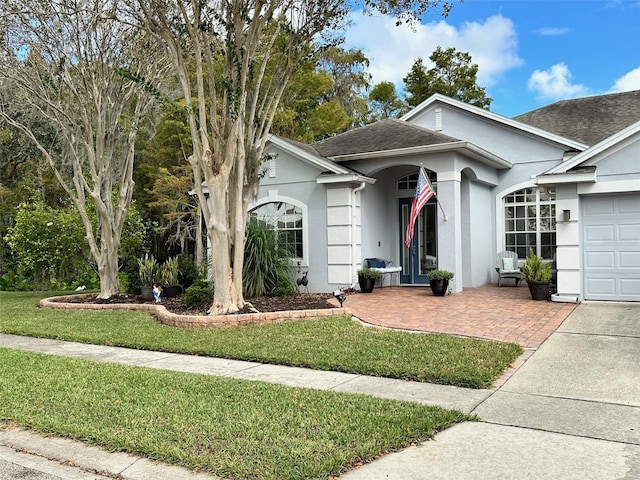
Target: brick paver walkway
496, 313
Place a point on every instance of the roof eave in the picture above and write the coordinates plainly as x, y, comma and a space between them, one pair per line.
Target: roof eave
585, 175
471, 149
320, 162
344, 178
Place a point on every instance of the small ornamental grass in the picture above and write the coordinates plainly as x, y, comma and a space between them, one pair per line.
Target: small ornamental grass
333, 343
234, 429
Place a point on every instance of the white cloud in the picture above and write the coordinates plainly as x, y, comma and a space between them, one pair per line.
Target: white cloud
629, 81
392, 49
553, 31
555, 83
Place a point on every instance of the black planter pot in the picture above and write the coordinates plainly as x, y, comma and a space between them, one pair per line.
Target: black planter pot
172, 291
366, 284
539, 291
439, 287
147, 293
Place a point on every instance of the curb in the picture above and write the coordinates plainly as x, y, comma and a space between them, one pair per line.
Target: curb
164, 316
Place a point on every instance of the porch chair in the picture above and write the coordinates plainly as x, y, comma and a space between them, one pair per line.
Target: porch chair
507, 266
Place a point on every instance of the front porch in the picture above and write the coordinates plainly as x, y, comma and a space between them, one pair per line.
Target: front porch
497, 313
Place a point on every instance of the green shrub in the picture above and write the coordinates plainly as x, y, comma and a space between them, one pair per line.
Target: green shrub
187, 270
284, 286
169, 272
266, 259
198, 296
48, 244
369, 273
148, 270
535, 269
11, 282
439, 275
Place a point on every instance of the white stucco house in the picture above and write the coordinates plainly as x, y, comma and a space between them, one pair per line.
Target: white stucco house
563, 179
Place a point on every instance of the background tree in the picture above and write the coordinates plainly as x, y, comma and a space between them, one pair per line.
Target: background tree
325, 95
22, 177
384, 102
163, 182
234, 59
453, 75
93, 79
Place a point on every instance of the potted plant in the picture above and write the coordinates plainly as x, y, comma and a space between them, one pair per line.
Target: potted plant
148, 272
169, 275
538, 275
367, 279
439, 281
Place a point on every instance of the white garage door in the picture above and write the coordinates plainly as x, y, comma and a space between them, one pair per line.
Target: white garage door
611, 246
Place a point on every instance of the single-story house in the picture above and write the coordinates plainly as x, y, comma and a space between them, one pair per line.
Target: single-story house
563, 180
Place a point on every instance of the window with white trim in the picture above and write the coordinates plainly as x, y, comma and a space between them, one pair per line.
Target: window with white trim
287, 220
410, 182
530, 221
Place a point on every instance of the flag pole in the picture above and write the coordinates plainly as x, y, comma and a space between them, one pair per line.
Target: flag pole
446, 219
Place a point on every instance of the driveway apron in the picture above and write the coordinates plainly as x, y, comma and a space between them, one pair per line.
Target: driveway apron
572, 411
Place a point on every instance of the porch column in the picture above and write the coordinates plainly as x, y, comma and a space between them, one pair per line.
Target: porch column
450, 230
343, 236
568, 245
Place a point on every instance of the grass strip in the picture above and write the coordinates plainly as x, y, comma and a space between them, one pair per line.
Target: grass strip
232, 428
335, 343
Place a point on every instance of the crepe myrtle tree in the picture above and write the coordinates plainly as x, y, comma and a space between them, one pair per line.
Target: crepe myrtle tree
233, 60
74, 65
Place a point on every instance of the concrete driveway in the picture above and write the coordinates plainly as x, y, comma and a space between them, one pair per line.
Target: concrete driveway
572, 411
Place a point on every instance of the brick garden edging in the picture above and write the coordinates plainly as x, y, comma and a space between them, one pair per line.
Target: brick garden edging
166, 317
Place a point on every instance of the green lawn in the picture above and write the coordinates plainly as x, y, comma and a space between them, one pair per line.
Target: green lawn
338, 344
232, 428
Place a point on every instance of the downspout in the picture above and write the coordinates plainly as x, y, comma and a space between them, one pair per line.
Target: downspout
354, 262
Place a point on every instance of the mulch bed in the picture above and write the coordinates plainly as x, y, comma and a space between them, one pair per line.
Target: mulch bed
298, 301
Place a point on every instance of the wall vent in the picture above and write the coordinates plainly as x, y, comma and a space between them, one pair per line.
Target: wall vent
438, 120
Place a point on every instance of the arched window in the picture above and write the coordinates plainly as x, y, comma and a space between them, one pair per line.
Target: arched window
410, 182
530, 221
287, 219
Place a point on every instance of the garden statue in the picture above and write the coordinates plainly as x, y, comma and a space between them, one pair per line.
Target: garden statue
156, 293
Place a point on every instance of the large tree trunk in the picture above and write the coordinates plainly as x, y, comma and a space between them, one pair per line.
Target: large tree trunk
232, 77
108, 273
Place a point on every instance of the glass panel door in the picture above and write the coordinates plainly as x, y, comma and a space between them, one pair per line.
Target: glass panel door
420, 257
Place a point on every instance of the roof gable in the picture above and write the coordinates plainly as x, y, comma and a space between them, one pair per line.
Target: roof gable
499, 120
591, 156
309, 155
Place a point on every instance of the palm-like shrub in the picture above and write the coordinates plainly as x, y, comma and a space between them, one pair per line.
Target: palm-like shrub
535, 270
169, 271
148, 270
267, 260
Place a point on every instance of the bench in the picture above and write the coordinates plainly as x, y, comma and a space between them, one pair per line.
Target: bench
385, 267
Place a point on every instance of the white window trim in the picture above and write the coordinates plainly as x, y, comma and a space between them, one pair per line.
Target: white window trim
500, 220
274, 198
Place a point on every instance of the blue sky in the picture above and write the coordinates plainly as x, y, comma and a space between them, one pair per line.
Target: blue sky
530, 53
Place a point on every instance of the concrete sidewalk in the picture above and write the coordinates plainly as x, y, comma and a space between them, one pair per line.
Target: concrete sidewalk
571, 411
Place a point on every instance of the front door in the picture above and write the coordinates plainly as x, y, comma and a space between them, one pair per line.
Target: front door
420, 257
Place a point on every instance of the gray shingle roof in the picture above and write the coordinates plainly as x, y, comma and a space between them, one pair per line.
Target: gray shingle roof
588, 120
388, 134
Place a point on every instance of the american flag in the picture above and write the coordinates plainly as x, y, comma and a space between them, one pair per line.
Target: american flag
424, 191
